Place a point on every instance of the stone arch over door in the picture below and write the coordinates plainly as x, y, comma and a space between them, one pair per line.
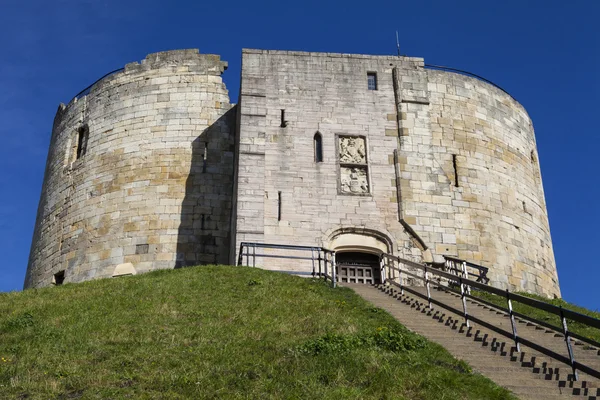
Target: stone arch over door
357, 254
359, 239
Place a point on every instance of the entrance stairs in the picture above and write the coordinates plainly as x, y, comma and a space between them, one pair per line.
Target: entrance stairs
529, 374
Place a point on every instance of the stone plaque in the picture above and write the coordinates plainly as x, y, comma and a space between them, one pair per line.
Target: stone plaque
352, 150
354, 180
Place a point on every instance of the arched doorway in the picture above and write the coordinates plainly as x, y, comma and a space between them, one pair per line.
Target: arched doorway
357, 267
357, 251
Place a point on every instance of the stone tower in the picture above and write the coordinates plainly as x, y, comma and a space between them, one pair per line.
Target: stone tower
139, 173
361, 154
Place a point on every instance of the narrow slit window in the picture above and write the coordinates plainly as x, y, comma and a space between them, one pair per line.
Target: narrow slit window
535, 165
82, 141
283, 121
372, 80
454, 165
204, 155
58, 278
278, 206
318, 147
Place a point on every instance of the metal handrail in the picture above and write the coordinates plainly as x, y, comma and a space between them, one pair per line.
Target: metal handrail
451, 264
394, 273
86, 91
324, 257
466, 73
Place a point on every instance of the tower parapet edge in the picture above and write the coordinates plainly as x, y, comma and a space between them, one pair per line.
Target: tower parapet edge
139, 173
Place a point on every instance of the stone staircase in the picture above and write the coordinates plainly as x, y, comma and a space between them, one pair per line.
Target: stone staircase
529, 374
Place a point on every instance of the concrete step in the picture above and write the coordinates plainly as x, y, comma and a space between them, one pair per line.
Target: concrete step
537, 393
485, 339
567, 371
529, 373
584, 354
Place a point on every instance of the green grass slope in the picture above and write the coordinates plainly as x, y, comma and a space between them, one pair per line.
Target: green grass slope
218, 332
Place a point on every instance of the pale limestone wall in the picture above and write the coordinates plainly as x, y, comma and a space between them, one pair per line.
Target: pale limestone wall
325, 93
145, 179
412, 125
499, 212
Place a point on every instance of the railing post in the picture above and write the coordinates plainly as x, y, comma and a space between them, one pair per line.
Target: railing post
464, 301
333, 269
512, 321
240, 254
247, 256
254, 255
325, 254
382, 269
568, 341
400, 276
312, 255
428, 289
466, 275
320, 251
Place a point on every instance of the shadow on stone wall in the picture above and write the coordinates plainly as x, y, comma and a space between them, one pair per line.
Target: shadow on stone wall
204, 232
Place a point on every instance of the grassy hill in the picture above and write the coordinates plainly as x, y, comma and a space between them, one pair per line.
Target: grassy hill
218, 332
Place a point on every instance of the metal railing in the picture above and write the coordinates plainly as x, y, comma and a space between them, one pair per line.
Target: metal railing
87, 90
466, 73
396, 269
323, 260
465, 269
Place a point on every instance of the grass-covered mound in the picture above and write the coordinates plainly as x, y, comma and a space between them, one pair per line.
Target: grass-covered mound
218, 332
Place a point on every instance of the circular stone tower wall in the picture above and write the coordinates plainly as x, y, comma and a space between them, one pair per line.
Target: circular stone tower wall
485, 143
139, 174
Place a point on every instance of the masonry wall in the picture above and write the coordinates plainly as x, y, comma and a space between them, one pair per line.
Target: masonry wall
325, 93
498, 208
154, 189
492, 213
429, 164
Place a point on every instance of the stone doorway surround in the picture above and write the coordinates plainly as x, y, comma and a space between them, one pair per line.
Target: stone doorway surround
357, 254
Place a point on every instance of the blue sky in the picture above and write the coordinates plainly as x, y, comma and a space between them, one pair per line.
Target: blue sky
546, 53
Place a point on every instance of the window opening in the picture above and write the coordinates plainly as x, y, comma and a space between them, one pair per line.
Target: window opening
283, 121
372, 80
142, 248
353, 164
318, 147
454, 165
204, 156
278, 206
59, 278
82, 140
536, 171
